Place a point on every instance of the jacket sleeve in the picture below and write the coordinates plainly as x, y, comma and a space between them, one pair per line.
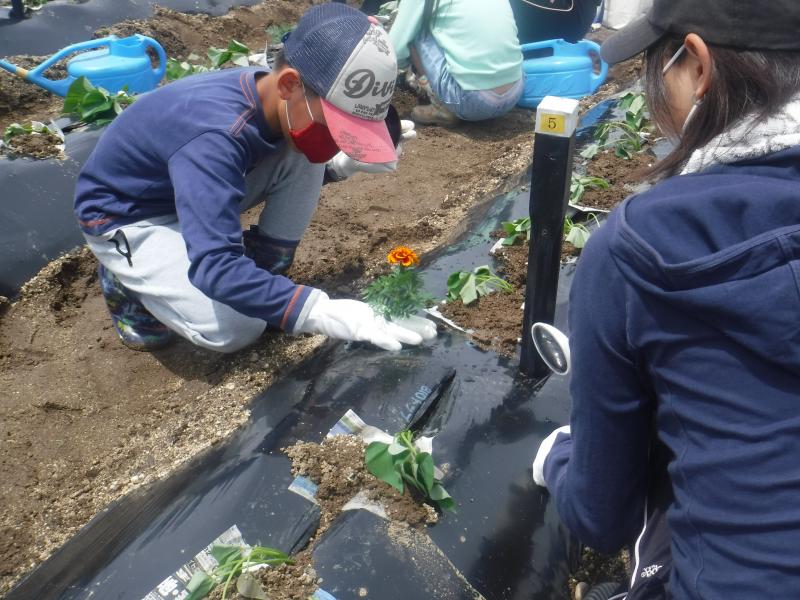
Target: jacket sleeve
209, 181
406, 27
598, 474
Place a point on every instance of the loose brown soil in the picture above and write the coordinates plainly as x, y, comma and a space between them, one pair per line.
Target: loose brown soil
337, 467
35, 145
494, 322
622, 175
84, 420
297, 581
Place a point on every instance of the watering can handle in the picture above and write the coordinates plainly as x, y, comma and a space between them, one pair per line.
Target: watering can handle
596, 78
540, 45
88, 45
162, 58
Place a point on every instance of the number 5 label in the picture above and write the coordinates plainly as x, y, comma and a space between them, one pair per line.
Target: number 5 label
552, 123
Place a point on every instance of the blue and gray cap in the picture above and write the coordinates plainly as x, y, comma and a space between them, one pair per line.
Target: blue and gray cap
348, 60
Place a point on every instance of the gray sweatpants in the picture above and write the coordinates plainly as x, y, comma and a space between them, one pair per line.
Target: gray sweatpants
158, 270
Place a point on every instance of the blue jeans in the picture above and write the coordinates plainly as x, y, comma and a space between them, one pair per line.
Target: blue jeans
469, 105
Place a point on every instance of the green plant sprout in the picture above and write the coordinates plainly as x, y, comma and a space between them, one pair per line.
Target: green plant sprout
236, 52
401, 293
578, 234
232, 561
632, 129
177, 69
402, 462
15, 129
579, 185
94, 104
515, 230
468, 287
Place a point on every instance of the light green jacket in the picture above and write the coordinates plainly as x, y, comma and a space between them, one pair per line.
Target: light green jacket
478, 37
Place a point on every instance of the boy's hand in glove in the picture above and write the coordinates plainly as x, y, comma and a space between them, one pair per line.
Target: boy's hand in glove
356, 321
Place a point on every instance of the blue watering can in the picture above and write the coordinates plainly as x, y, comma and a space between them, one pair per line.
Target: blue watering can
112, 64
558, 68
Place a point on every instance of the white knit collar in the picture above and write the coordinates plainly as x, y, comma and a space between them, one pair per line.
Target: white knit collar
751, 138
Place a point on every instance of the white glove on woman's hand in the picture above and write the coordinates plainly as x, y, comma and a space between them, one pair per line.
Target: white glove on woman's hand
544, 451
356, 321
342, 166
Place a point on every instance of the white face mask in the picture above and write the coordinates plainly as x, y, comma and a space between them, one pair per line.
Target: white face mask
695, 102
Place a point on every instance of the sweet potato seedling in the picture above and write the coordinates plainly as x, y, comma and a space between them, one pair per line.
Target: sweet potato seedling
236, 52
468, 287
633, 130
577, 234
401, 462
515, 230
232, 561
579, 185
94, 104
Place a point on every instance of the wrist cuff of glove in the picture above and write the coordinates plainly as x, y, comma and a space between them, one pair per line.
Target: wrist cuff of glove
314, 297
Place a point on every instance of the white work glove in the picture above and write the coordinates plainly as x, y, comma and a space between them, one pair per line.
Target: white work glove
341, 166
356, 321
544, 451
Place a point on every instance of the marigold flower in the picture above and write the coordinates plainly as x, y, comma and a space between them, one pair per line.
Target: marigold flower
405, 257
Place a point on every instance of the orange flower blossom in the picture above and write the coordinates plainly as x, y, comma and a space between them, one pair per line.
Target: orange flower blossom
405, 257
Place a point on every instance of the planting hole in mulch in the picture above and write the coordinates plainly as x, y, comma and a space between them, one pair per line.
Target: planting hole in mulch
494, 322
35, 145
622, 175
337, 466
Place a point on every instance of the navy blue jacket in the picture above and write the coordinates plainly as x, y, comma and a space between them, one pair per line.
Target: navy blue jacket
185, 149
685, 319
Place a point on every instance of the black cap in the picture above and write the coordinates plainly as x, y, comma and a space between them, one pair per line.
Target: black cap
744, 24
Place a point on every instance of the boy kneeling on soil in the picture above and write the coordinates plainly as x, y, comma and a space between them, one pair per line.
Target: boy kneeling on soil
159, 199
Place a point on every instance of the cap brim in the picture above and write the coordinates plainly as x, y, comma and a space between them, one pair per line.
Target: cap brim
361, 139
629, 41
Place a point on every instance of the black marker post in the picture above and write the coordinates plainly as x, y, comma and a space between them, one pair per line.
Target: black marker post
556, 121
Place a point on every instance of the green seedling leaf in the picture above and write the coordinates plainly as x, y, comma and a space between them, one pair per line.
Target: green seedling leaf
381, 464
516, 229
94, 105
590, 151
259, 554
77, 90
199, 586
238, 47
225, 553
579, 185
578, 236
440, 496
425, 471
396, 449
411, 466
249, 587
468, 287
469, 291
218, 57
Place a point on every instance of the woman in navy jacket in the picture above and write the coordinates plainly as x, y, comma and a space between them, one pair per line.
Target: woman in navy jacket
685, 320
